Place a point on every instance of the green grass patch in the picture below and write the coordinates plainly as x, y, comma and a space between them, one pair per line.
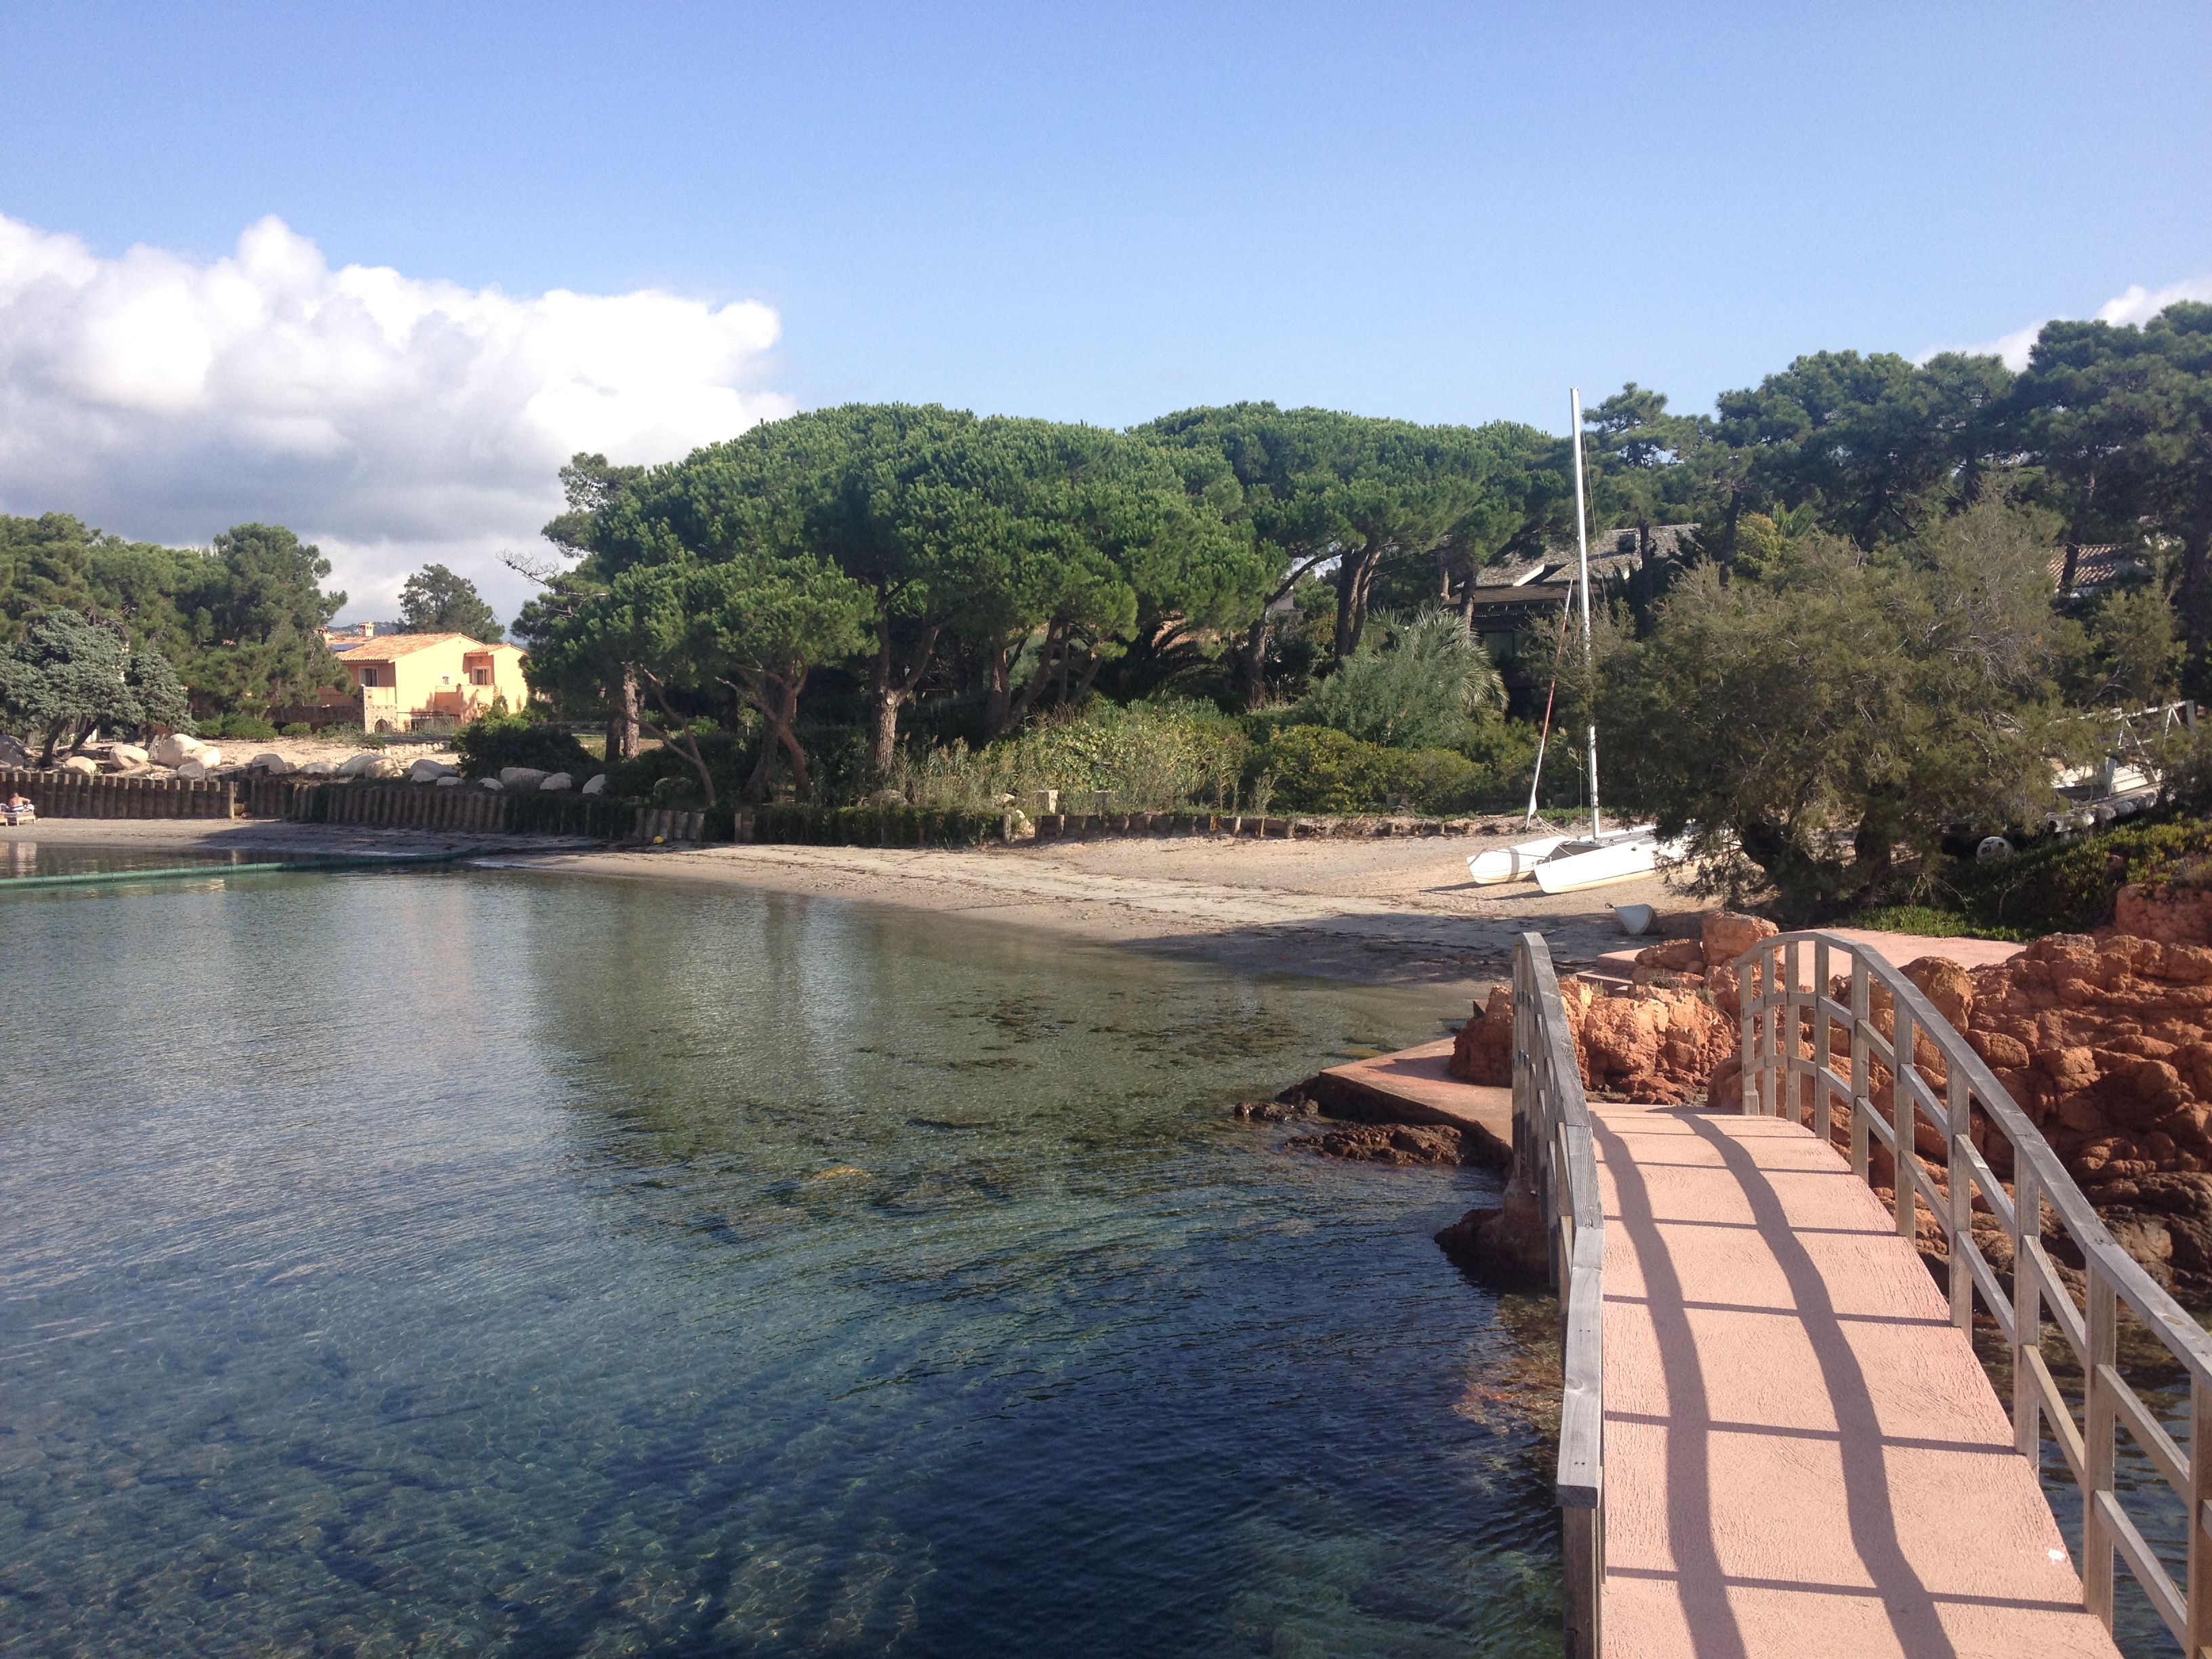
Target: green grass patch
1930, 923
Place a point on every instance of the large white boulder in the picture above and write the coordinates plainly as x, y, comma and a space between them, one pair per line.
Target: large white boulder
558, 780
318, 769
356, 766
595, 785
274, 764
454, 783
521, 777
82, 764
12, 752
175, 749
489, 783
384, 766
126, 756
195, 770
426, 770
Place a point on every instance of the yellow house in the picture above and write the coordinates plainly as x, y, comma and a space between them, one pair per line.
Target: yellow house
406, 678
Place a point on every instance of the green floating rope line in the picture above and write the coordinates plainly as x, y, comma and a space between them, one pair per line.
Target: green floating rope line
188, 871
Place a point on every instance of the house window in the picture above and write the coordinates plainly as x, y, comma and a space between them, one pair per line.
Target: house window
480, 676
369, 677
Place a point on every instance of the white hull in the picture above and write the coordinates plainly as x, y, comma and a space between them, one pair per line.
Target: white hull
1512, 863
1633, 856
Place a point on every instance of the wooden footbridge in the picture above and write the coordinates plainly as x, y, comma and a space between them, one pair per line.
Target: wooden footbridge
1776, 1437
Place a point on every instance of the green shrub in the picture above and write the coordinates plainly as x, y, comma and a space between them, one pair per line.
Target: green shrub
1434, 782
485, 746
2069, 887
1146, 757
1420, 691
666, 778
1318, 768
247, 725
298, 729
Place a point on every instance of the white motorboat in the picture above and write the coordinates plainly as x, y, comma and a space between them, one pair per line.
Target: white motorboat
1516, 863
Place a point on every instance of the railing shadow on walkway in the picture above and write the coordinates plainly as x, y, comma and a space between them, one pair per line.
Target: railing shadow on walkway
1797, 1030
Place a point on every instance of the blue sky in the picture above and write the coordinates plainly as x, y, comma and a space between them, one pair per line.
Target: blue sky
1106, 213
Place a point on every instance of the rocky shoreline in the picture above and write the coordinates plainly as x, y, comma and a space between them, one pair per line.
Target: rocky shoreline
2104, 1043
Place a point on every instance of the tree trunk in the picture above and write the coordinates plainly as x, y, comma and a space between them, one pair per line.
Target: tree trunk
884, 702
2195, 601
1647, 581
1348, 605
675, 737
776, 696
998, 695
1057, 636
1253, 657
891, 683
2066, 575
1874, 851
1727, 536
621, 730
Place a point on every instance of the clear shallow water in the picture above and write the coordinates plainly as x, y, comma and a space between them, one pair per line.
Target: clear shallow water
492, 1263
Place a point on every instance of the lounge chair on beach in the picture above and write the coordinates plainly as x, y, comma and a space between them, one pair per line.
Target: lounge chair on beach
17, 810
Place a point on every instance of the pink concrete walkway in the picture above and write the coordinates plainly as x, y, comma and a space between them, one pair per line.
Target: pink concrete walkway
1802, 1455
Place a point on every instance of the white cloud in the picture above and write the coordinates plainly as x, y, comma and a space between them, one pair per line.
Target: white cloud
2138, 304
390, 419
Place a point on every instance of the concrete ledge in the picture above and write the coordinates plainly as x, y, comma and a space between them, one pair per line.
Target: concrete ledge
1414, 1086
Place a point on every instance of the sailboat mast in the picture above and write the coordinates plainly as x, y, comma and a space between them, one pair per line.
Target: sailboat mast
1581, 543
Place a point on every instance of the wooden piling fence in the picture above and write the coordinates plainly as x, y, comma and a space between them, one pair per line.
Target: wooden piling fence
82, 795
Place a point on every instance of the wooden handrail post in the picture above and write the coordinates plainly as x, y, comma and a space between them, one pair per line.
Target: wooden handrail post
2198, 1587
2026, 1310
1823, 1052
1861, 1064
1959, 1224
1903, 1115
2101, 1423
1770, 1024
1745, 1038
1793, 1017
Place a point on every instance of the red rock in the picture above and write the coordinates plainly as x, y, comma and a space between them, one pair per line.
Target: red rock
1681, 955
2169, 916
1727, 935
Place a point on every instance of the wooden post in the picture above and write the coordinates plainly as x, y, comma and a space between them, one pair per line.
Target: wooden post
2100, 1425
1823, 1055
1861, 1064
1959, 1224
1792, 1024
1902, 1117
1582, 1534
2027, 1307
1747, 1043
2198, 1588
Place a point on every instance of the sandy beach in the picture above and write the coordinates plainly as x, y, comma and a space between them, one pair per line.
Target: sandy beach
1393, 911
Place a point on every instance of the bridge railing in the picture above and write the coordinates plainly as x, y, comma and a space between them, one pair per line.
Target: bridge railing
1805, 1050
1553, 1151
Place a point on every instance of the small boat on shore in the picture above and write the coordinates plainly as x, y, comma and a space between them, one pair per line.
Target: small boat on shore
1622, 855
1567, 864
1514, 863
